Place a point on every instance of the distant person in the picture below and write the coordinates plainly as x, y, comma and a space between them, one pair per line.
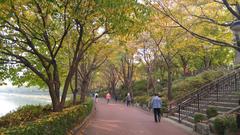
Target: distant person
116, 98
156, 104
128, 99
108, 97
96, 97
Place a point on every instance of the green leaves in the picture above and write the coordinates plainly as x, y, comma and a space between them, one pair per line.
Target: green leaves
2, 1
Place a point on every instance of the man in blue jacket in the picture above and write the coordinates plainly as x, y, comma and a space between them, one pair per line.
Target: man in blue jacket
156, 104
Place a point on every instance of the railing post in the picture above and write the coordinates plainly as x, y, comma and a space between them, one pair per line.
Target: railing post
198, 100
179, 113
217, 91
235, 81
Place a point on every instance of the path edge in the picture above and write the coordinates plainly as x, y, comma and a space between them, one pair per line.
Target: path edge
149, 112
80, 126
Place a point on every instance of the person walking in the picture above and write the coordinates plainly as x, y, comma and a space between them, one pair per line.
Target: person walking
108, 97
128, 99
96, 97
156, 104
116, 98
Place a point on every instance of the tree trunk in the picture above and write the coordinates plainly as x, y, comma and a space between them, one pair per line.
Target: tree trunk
67, 83
113, 90
82, 99
75, 97
130, 90
152, 81
84, 88
170, 94
185, 70
56, 105
76, 88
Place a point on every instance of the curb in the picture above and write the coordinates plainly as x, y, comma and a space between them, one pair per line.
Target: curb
80, 126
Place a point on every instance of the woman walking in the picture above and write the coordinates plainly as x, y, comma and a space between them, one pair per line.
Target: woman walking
108, 97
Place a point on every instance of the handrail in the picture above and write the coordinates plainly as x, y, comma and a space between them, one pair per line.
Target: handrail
236, 109
225, 84
180, 100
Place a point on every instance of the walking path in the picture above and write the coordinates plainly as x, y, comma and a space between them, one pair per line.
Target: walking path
117, 119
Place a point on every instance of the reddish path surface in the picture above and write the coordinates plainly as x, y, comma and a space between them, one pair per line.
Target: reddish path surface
117, 119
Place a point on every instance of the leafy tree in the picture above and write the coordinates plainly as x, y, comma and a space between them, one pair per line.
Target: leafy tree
207, 20
33, 36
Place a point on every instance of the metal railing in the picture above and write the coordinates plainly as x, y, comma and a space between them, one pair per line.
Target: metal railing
198, 100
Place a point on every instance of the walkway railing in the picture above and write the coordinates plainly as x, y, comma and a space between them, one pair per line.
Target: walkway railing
190, 104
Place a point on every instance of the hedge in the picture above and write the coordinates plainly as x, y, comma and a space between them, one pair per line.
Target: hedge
189, 84
225, 125
56, 123
24, 114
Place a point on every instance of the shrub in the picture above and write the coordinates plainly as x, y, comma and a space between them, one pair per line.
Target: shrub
164, 104
219, 125
57, 123
230, 123
142, 100
198, 117
211, 112
140, 85
189, 84
24, 114
225, 124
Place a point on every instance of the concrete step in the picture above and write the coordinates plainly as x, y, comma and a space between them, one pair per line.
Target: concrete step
186, 117
226, 104
188, 113
222, 99
203, 108
184, 122
191, 114
218, 107
224, 96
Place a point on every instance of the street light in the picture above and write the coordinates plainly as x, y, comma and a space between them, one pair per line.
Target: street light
235, 27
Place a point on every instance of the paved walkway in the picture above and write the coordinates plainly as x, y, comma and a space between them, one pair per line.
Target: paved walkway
117, 119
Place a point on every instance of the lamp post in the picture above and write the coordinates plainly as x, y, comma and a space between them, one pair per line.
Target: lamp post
235, 27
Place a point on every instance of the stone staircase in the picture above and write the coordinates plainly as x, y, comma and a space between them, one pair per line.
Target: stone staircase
221, 94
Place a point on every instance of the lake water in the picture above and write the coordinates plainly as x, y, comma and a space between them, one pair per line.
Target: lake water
12, 97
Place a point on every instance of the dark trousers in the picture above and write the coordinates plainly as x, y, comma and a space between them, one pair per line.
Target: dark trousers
128, 102
157, 114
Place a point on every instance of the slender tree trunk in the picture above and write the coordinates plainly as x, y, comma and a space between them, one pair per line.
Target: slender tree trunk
170, 93
75, 89
152, 81
113, 90
66, 85
185, 70
74, 97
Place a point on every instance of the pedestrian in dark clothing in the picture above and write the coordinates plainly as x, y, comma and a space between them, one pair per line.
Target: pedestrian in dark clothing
128, 99
156, 104
116, 98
